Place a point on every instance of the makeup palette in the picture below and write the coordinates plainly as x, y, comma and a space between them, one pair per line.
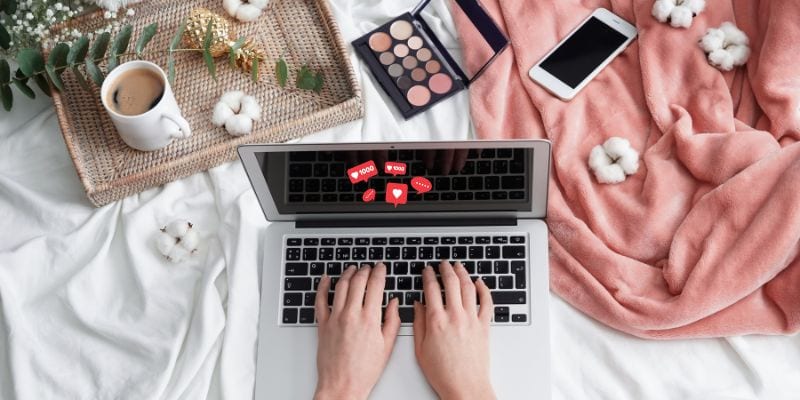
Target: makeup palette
411, 64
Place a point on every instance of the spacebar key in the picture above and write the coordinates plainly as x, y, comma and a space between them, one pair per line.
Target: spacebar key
509, 297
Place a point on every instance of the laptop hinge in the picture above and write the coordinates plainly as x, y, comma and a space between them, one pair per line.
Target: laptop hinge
405, 222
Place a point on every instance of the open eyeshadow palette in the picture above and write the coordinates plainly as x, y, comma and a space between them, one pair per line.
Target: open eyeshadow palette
413, 66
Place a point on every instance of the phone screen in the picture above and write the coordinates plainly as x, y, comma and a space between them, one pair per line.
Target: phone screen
583, 52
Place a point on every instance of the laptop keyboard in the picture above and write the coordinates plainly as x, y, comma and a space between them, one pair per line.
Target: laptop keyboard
489, 174
500, 260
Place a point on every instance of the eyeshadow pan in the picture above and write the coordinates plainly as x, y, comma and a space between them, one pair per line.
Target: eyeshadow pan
404, 83
424, 54
418, 95
415, 42
433, 66
418, 74
379, 42
410, 62
401, 50
387, 58
395, 70
401, 30
440, 83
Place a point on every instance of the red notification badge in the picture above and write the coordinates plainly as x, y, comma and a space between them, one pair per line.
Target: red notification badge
394, 168
362, 172
396, 193
368, 196
421, 184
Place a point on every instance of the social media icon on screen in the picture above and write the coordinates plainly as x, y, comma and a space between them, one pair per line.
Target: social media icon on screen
421, 184
396, 193
395, 168
368, 196
362, 172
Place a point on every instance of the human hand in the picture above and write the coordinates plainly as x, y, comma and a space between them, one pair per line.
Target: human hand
353, 348
452, 342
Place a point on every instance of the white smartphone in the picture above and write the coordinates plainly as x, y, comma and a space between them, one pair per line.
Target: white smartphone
567, 68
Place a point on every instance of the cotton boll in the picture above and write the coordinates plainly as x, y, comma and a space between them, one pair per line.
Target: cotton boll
722, 59
178, 228
713, 39
733, 35
695, 5
740, 54
629, 162
662, 9
190, 240
221, 114
681, 17
610, 174
261, 4
233, 99
598, 158
165, 242
239, 125
616, 147
248, 13
251, 108
231, 6
178, 254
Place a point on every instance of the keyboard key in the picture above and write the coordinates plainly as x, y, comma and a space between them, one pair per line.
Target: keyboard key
475, 252
484, 267
296, 284
306, 315
509, 297
504, 153
499, 195
411, 297
334, 268
483, 196
499, 239
500, 267
328, 241
512, 182
293, 242
345, 241
483, 240
400, 268
519, 318
293, 253
320, 170
397, 240
449, 196
449, 240
516, 195
342, 253
413, 240
491, 183
465, 240
513, 251
392, 253
289, 315
310, 298
426, 253
398, 295
295, 185
309, 253
518, 269
409, 253
442, 183
460, 183
469, 266
315, 285
417, 283
465, 195
328, 186
313, 198
292, 299
362, 241
407, 314
459, 252
326, 253
492, 251
500, 167
300, 170
416, 267
316, 268
442, 253
404, 283
505, 282
431, 240
310, 241
501, 317
475, 183
487, 153
518, 239
296, 268
381, 241
484, 167
359, 253
490, 281
376, 253
389, 283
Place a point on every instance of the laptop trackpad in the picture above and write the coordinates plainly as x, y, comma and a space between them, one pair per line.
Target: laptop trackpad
402, 378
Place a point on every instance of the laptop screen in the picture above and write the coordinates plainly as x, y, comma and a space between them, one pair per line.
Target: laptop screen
397, 181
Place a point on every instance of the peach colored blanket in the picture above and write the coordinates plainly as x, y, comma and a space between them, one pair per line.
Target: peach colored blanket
705, 239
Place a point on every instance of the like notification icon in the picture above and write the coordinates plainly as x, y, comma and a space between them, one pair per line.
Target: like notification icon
362, 172
394, 168
396, 193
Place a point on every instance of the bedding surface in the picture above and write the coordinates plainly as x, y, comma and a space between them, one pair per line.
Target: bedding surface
90, 310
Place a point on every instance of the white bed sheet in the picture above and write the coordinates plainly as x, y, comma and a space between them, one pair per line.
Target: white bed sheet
89, 310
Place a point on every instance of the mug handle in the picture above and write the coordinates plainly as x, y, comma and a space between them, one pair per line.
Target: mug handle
184, 130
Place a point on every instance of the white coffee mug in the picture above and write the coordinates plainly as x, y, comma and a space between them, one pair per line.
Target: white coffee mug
155, 128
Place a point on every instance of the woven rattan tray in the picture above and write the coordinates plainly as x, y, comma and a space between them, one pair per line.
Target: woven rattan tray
302, 31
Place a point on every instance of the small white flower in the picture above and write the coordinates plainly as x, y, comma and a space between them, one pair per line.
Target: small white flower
236, 111
727, 46
70, 13
130, 12
58, 6
107, 15
29, 16
679, 13
613, 160
245, 11
177, 241
49, 13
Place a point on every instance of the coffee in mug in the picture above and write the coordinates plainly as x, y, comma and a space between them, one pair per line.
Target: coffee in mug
135, 92
139, 100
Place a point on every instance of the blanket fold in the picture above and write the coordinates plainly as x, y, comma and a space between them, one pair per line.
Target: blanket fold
704, 239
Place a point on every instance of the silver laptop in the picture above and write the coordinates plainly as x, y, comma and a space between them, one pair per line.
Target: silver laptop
332, 205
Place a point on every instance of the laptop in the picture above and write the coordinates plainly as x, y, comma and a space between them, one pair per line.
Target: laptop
406, 204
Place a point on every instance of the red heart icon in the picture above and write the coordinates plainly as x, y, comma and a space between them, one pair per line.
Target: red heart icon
368, 196
396, 193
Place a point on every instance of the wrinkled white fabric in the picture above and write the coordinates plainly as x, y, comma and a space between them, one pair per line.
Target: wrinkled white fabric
89, 309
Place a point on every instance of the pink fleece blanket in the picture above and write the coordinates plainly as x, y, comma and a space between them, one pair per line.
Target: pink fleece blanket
705, 239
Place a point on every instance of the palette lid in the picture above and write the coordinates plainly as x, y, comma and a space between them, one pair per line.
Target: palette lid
495, 40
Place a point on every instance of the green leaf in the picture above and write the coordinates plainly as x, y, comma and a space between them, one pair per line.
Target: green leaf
5, 71
5, 38
212, 68
318, 82
209, 38
94, 72
306, 80
100, 46
81, 79
176, 40
147, 33
41, 81
78, 51
58, 56
30, 61
9, 6
22, 84
281, 72
254, 70
235, 48
171, 69
119, 46
7, 96
54, 77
